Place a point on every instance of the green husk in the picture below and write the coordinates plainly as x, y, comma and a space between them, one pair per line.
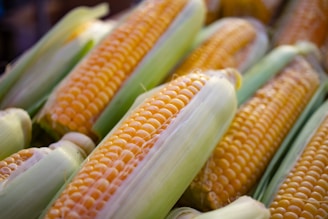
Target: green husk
269, 66
15, 131
155, 66
28, 190
33, 75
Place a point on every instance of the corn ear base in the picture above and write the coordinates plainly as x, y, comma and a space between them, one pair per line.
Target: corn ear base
26, 192
270, 65
244, 207
27, 81
16, 131
155, 66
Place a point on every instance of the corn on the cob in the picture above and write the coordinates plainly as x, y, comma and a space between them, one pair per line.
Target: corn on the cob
299, 188
127, 175
134, 57
31, 177
15, 131
257, 131
244, 207
231, 43
264, 10
29, 80
302, 21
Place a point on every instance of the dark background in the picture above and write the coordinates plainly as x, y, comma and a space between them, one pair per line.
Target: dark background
23, 22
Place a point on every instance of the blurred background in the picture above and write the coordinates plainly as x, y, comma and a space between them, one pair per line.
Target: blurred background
23, 22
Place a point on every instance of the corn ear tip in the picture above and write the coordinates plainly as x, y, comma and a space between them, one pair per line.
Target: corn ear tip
233, 75
85, 143
305, 47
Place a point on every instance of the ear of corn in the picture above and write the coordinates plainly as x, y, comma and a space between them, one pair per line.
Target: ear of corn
258, 129
299, 186
244, 207
270, 65
127, 175
302, 20
133, 58
264, 10
228, 43
29, 80
16, 131
31, 177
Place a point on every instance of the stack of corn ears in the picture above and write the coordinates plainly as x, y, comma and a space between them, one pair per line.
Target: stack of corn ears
174, 111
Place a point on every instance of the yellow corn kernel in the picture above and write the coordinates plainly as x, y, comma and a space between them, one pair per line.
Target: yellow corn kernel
224, 49
91, 85
10, 164
303, 193
256, 132
303, 21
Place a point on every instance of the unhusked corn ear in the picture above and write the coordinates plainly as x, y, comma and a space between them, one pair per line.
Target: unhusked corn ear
30, 79
147, 154
31, 177
264, 10
131, 59
299, 187
16, 131
230, 43
259, 127
302, 20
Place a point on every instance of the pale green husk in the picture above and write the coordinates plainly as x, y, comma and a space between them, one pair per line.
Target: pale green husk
15, 131
26, 192
270, 65
29, 80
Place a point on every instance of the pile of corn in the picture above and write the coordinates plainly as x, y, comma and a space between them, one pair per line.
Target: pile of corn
177, 109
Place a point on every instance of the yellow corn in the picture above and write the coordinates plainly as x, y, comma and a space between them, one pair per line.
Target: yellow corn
299, 187
257, 131
304, 192
303, 20
264, 10
78, 102
125, 174
230, 45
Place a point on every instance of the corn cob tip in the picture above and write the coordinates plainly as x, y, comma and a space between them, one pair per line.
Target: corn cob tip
233, 75
85, 143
